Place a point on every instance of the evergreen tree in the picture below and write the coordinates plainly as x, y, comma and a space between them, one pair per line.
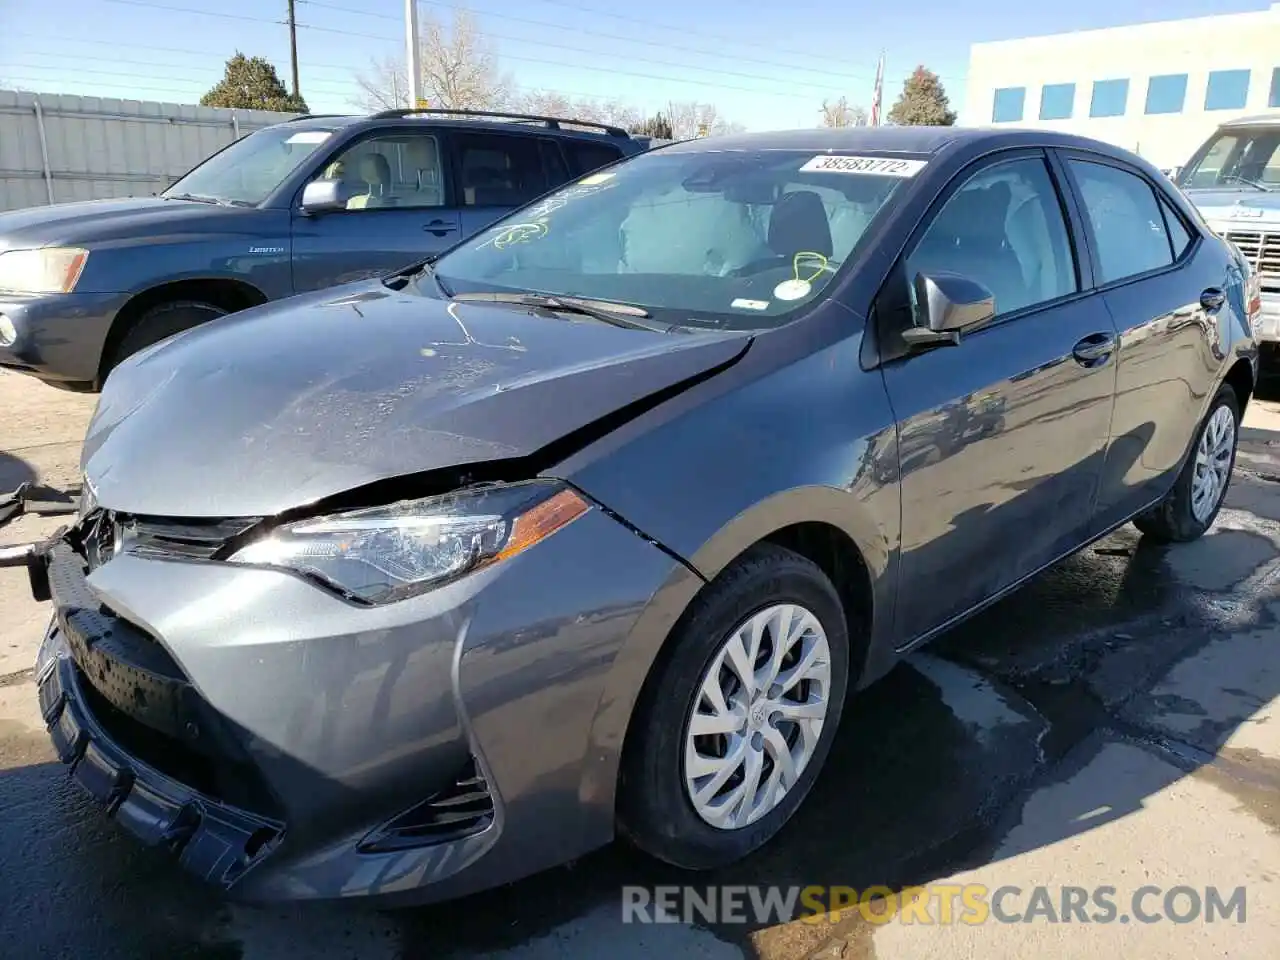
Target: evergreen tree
250, 83
923, 102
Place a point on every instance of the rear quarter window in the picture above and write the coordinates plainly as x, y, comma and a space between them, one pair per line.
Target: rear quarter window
585, 157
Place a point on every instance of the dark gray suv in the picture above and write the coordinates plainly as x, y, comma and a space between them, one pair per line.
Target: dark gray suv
298, 206
593, 525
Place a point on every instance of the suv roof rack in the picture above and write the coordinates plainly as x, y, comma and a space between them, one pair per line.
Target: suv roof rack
312, 116
552, 123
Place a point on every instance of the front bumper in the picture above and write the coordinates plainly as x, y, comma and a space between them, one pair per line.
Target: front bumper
274, 736
58, 337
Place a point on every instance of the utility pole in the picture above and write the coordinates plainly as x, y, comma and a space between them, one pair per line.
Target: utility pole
412, 62
293, 47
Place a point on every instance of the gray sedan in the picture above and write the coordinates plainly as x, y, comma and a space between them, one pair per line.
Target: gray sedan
592, 526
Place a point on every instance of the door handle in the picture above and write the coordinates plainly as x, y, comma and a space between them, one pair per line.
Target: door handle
1212, 300
440, 227
1094, 350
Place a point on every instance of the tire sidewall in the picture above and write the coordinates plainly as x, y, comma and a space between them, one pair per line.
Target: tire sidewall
160, 323
1175, 517
657, 811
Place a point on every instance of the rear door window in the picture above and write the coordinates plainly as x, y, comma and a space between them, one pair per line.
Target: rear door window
495, 170
585, 156
1128, 227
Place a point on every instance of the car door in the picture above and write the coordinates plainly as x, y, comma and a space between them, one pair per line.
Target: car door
1167, 289
497, 172
397, 210
1001, 434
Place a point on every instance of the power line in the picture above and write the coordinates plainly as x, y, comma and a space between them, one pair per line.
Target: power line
199, 82
348, 86
612, 71
685, 31
539, 60
701, 51
200, 54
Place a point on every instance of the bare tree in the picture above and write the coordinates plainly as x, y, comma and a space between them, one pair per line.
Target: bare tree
460, 70
552, 103
689, 119
384, 87
841, 114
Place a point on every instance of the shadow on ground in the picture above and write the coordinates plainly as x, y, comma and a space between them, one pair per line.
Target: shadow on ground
14, 471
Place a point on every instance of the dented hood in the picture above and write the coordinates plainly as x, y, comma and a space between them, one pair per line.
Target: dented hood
286, 404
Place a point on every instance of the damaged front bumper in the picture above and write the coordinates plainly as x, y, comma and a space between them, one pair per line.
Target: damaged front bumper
214, 841
286, 744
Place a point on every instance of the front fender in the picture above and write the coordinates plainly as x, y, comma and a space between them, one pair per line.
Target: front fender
759, 448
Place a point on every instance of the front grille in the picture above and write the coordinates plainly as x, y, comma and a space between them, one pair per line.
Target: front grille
101, 534
1262, 250
462, 809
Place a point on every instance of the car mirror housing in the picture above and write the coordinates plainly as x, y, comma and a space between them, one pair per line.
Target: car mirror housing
949, 304
323, 196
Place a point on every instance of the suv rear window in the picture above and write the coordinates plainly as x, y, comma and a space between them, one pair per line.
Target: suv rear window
585, 157
500, 171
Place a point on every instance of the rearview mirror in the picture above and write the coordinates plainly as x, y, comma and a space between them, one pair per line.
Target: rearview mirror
948, 303
324, 196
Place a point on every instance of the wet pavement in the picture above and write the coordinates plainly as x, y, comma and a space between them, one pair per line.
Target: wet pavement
1114, 722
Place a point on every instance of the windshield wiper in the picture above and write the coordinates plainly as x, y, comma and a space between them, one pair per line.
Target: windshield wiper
190, 196
617, 314
400, 279
1236, 178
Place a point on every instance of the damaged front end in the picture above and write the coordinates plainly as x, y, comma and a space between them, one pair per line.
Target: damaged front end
308, 637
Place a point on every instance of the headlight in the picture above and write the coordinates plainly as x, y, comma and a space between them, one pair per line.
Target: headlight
46, 270
388, 553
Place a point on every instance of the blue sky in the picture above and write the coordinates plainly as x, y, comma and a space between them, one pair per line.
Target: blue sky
767, 66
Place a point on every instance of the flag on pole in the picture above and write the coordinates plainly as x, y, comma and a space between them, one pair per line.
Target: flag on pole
878, 96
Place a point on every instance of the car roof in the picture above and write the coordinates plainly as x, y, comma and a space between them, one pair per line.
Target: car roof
1261, 119
918, 140
323, 121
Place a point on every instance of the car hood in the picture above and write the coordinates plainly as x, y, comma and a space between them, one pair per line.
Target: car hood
69, 223
1237, 207
289, 403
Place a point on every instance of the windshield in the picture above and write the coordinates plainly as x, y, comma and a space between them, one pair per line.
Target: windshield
736, 239
1245, 158
250, 169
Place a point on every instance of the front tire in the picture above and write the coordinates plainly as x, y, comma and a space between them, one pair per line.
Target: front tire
737, 721
1197, 495
159, 323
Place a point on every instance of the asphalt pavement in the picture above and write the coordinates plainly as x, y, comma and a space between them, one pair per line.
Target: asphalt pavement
1112, 724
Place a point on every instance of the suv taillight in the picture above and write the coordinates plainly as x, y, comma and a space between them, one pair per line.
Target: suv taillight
1253, 301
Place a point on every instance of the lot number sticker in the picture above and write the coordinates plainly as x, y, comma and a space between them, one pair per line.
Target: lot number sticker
878, 166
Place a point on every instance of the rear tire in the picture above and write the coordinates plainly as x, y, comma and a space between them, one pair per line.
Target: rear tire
668, 806
1197, 495
159, 323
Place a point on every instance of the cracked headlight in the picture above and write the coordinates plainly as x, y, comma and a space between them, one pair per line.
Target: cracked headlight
44, 270
383, 554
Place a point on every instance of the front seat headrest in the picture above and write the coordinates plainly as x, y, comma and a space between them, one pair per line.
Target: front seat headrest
799, 223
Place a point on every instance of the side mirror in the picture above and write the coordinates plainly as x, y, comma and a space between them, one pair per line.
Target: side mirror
324, 196
949, 303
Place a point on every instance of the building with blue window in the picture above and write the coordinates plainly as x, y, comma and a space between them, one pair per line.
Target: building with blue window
1156, 88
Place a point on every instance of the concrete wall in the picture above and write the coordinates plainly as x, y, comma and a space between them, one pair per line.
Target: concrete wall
1195, 47
101, 147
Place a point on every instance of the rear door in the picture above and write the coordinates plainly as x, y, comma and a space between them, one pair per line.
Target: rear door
497, 172
1000, 436
1167, 290
399, 209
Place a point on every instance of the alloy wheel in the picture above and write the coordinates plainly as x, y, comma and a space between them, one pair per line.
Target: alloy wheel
1213, 463
758, 716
